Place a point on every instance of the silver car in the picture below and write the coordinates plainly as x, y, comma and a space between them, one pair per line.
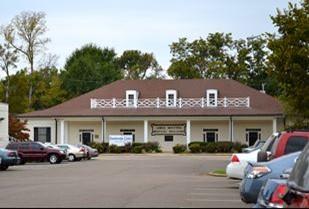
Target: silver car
74, 153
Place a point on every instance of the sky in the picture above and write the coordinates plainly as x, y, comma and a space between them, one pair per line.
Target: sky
146, 25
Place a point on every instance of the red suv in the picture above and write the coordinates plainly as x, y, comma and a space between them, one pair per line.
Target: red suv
297, 195
36, 151
283, 143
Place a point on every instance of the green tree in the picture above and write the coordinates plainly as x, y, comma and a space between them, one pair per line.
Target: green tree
139, 66
289, 60
47, 89
89, 68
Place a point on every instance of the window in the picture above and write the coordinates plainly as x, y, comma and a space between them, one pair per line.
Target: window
212, 97
295, 144
168, 138
35, 146
42, 134
171, 98
210, 135
252, 135
131, 98
24, 146
12, 146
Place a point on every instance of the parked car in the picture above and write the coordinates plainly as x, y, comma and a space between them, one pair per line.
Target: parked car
257, 145
257, 174
36, 151
238, 162
271, 194
50, 145
74, 153
90, 152
8, 158
286, 142
297, 195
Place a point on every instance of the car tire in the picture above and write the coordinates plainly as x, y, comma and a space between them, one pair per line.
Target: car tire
53, 159
72, 157
3, 167
78, 159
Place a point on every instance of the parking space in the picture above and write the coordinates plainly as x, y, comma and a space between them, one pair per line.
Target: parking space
159, 180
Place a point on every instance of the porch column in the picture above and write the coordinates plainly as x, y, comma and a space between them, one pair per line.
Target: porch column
145, 131
231, 129
188, 132
274, 125
102, 130
61, 131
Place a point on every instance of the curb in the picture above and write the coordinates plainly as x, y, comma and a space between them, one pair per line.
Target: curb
216, 174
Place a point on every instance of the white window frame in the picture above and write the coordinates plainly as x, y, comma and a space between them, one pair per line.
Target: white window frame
208, 93
215, 131
135, 96
171, 92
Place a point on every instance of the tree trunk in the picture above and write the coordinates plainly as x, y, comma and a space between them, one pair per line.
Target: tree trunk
31, 85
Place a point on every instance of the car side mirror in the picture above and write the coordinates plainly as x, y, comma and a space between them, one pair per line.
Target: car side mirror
286, 173
263, 156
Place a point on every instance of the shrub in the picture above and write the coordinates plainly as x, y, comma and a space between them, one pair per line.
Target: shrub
237, 147
195, 148
127, 148
179, 148
101, 147
151, 146
135, 144
224, 147
114, 149
201, 144
211, 147
138, 149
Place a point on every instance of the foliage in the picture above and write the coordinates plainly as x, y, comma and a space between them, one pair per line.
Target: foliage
88, 68
17, 128
289, 60
101, 147
138, 149
211, 147
179, 148
114, 149
195, 148
224, 147
136, 65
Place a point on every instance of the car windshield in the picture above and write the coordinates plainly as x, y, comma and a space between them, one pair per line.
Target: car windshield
269, 142
43, 145
299, 177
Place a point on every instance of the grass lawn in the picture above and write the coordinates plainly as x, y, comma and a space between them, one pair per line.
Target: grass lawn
220, 171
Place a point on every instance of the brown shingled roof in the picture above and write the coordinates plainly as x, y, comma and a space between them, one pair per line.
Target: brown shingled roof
260, 103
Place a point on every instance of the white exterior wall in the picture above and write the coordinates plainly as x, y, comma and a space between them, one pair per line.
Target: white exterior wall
4, 124
73, 127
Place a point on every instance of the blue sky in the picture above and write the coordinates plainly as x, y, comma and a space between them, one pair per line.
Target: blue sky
146, 25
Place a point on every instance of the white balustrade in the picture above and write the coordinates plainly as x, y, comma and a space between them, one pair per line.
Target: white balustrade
161, 103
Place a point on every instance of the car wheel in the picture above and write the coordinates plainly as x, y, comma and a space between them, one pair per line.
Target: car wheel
4, 167
71, 157
53, 159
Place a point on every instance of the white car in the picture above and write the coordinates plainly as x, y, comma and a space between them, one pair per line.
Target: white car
239, 162
74, 153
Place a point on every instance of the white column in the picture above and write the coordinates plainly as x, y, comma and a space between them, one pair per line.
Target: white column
66, 132
61, 131
188, 132
105, 130
231, 129
145, 131
274, 125
102, 130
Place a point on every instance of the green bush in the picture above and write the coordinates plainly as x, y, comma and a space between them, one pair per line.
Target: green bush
114, 149
151, 147
179, 148
201, 144
127, 148
237, 147
138, 149
211, 147
195, 148
101, 147
224, 147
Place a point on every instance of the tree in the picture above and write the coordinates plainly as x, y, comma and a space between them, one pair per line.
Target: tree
217, 56
139, 66
26, 33
289, 59
8, 59
89, 68
17, 128
47, 90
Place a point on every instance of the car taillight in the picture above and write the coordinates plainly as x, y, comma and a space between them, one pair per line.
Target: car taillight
11, 154
276, 199
234, 159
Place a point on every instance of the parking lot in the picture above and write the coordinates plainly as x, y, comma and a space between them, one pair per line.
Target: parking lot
158, 180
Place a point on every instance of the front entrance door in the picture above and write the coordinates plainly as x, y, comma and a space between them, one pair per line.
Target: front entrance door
252, 136
86, 138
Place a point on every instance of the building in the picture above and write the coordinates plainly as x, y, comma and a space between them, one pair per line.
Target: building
167, 111
4, 124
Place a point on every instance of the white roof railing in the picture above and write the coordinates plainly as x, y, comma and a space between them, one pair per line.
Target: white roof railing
243, 102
